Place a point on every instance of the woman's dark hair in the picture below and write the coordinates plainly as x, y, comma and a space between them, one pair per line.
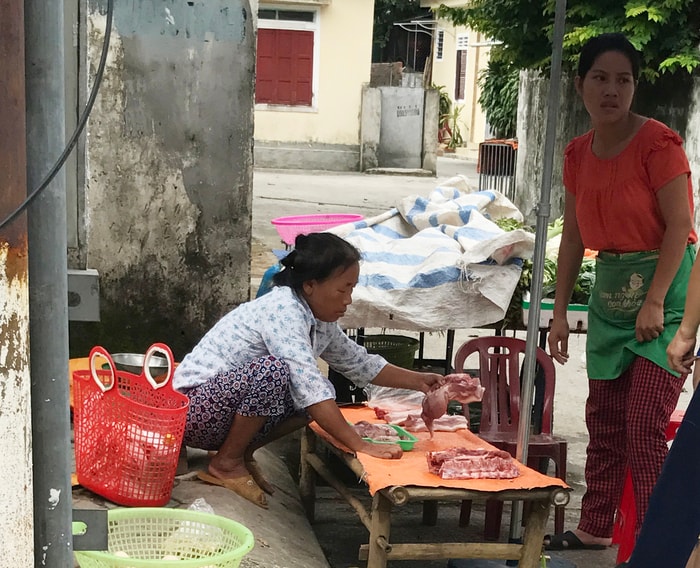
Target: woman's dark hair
316, 256
603, 43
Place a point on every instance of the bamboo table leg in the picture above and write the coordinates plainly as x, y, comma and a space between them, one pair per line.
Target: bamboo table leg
380, 531
535, 525
307, 474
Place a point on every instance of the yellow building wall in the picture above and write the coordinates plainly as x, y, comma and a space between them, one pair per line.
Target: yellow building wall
344, 65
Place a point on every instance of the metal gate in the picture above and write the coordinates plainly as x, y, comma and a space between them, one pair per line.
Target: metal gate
496, 166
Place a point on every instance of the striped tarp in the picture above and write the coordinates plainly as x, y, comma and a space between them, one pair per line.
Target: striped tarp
437, 262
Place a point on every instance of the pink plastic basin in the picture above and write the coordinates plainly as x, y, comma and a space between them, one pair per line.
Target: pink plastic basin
290, 227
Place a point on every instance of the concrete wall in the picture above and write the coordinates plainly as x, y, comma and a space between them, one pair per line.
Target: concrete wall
531, 130
401, 132
16, 492
431, 114
327, 135
379, 147
692, 145
168, 170
370, 127
681, 111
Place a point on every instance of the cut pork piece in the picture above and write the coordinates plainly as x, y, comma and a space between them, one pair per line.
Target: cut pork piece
472, 463
461, 387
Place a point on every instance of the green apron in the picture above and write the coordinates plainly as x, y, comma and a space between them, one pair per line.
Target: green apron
621, 285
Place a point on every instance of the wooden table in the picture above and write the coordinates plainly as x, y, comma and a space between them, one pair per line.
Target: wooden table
541, 492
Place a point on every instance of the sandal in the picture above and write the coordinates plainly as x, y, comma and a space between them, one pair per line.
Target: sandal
568, 541
244, 486
254, 470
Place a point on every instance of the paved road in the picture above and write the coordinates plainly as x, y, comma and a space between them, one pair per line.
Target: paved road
279, 193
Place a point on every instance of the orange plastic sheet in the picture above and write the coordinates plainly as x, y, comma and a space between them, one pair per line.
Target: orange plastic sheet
412, 467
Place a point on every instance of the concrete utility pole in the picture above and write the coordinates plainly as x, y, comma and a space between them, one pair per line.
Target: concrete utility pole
48, 285
16, 519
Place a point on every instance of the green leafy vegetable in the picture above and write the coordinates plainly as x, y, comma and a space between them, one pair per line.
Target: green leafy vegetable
555, 228
508, 224
582, 287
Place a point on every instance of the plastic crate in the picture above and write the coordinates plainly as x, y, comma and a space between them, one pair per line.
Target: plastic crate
399, 350
289, 228
576, 314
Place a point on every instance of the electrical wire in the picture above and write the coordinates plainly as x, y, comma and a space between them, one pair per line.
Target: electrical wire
79, 127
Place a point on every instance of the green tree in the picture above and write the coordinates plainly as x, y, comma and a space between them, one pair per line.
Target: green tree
499, 95
386, 12
666, 32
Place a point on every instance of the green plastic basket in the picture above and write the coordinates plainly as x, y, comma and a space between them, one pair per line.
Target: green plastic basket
169, 538
397, 349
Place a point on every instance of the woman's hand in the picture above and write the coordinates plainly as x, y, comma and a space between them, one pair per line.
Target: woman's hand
383, 451
680, 352
429, 380
398, 377
650, 321
558, 339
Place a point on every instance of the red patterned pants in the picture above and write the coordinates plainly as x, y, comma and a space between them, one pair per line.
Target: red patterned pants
626, 419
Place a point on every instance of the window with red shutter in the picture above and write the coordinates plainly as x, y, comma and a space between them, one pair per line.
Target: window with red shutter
284, 74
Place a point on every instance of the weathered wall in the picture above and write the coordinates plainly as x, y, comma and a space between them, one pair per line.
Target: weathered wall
169, 170
692, 143
431, 115
680, 110
16, 491
370, 123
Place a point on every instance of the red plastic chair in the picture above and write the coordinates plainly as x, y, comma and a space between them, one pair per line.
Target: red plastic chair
500, 362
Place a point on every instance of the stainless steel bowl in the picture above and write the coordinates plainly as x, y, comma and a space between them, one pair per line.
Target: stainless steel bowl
133, 363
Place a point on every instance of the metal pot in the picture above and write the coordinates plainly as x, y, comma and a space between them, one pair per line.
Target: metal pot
133, 363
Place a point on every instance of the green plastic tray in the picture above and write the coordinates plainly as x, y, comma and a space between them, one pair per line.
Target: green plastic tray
406, 442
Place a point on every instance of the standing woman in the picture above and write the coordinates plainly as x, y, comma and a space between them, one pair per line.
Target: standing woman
629, 196
253, 377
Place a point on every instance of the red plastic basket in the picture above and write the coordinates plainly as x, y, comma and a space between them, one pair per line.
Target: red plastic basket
291, 227
128, 431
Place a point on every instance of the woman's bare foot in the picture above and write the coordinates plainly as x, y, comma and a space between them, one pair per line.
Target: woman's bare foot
233, 474
227, 468
575, 540
587, 538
